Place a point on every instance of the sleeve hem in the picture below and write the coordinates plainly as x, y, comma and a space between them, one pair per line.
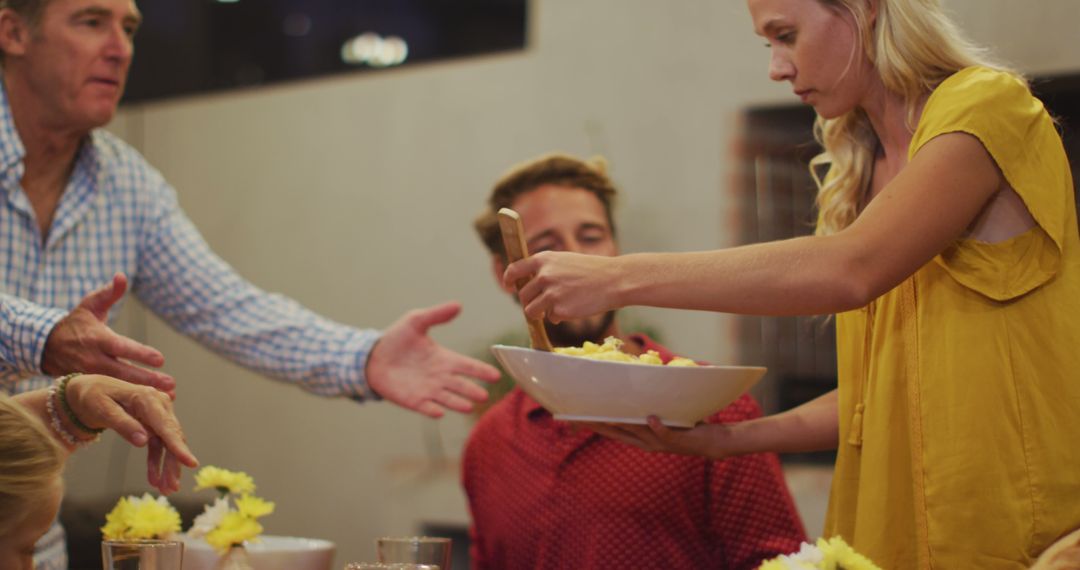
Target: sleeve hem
26, 328
354, 371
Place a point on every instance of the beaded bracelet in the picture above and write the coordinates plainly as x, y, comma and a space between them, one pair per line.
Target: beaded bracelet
70, 413
58, 426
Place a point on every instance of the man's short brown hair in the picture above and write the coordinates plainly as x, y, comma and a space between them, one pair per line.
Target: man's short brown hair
29, 10
551, 169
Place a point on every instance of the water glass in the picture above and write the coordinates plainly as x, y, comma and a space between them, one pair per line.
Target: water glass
142, 554
389, 566
414, 549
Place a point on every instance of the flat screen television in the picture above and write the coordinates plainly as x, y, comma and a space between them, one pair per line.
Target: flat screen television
195, 46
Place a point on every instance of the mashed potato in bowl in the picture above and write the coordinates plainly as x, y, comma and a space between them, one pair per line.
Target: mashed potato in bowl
598, 383
612, 350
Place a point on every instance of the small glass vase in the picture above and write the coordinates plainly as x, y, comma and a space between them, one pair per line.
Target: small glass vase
142, 554
235, 559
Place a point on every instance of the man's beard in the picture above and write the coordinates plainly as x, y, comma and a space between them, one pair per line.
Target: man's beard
576, 332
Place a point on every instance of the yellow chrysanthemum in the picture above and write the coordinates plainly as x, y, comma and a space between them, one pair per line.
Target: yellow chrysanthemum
154, 521
254, 507
234, 528
841, 555
145, 517
116, 522
831, 554
225, 481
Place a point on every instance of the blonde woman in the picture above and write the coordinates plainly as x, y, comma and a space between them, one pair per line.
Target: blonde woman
37, 431
947, 247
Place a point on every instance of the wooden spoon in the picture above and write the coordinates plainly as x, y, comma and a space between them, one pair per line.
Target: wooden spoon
513, 236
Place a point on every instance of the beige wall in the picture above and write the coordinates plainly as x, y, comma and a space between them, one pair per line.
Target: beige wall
354, 195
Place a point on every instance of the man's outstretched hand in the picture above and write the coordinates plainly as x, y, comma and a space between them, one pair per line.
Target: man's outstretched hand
83, 342
416, 373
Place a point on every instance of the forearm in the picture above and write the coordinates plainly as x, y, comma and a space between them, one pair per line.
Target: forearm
813, 426
801, 276
277, 337
290, 343
196, 292
35, 402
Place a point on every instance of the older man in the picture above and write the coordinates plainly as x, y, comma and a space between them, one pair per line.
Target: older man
544, 494
80, 209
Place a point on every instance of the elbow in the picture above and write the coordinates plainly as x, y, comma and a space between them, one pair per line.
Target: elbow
852, 294
856, 286
864, 269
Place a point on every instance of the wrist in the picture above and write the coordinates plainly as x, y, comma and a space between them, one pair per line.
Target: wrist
739, 438
71, 395
64, 423
626, 280
369, 365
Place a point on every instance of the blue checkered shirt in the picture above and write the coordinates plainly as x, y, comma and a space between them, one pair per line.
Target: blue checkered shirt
118, 214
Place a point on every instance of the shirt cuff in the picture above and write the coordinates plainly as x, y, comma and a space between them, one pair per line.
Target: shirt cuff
355, 383
25, 328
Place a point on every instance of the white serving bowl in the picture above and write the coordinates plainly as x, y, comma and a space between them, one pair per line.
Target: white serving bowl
270, 553
581, 389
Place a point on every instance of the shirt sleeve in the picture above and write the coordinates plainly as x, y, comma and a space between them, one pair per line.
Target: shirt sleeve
197, 293
24, 328
1013, 126
477, 547
752, 515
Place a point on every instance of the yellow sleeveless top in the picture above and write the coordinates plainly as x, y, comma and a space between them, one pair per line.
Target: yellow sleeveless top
959, 390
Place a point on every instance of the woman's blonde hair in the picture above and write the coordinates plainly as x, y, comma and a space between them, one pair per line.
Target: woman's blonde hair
913, 46
30, 463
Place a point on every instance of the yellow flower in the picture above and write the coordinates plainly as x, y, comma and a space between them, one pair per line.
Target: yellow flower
841, 555
254, 507
831, 554
116, 524
224, 481
145, 517
234, 528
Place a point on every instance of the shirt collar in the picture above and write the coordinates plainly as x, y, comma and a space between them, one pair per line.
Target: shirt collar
12, 150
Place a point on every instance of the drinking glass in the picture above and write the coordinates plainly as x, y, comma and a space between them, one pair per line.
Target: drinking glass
389, 566
142, 554
414, 549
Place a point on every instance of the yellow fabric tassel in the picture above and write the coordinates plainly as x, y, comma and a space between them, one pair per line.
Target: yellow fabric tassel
855, 433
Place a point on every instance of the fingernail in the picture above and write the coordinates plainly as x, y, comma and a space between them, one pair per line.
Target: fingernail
139, 438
